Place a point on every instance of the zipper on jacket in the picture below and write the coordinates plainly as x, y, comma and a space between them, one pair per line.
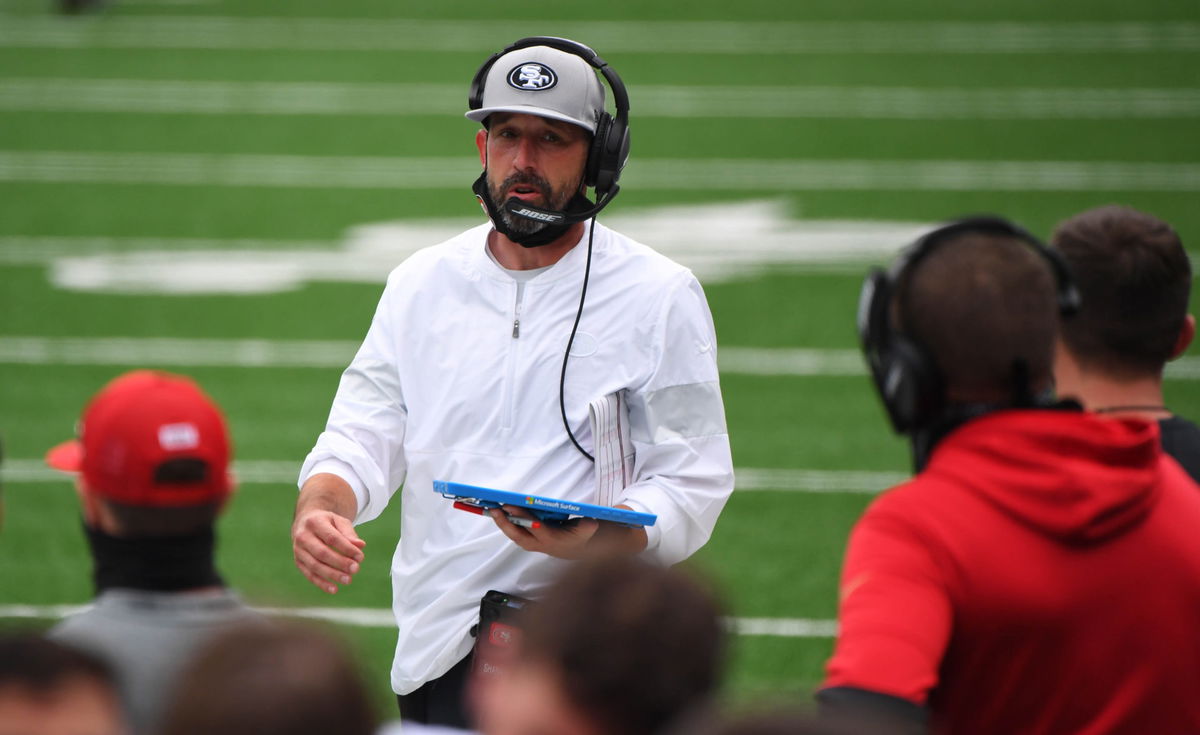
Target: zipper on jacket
517, 298
508, 395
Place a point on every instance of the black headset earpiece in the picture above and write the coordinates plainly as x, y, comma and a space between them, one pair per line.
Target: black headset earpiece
906, 377
609, 153
610, 143
591, 171
909, 383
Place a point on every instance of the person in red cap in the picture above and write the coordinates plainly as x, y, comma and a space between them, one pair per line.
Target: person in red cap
152, 469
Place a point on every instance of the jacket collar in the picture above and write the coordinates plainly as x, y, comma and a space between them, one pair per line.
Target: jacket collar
571, 264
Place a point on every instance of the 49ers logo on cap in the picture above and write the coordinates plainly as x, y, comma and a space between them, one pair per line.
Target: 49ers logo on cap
532, 77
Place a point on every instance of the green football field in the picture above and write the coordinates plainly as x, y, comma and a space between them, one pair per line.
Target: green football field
219, 188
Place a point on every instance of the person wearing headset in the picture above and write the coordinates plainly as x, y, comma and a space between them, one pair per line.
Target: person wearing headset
1041, 573
479, 367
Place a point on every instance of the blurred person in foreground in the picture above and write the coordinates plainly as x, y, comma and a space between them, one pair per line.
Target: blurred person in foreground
1041, 573
769, 722
284, 679
464, 376
49, 688
152, 466
1135, 278
616, 647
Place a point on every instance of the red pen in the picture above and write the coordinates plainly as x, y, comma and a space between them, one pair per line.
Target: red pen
516, 520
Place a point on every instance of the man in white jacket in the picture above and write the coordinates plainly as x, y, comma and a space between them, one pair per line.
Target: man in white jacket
464, 376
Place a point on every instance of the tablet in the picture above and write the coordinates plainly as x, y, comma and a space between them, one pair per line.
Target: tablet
548, 510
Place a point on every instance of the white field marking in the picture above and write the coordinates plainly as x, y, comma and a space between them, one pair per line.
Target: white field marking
783, 627
170, 352
284, 472
698, 236
382, 617
331, 98
817, 481
789, 361
265, 353
44, 250
867, 175
377, 172
661, 37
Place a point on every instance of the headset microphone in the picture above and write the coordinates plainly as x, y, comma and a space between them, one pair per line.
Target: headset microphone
519, 208
556, 223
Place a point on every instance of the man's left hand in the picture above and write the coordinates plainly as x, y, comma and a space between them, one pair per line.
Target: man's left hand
575, 540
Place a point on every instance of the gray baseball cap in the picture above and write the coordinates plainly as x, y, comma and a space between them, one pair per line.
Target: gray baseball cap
546, 82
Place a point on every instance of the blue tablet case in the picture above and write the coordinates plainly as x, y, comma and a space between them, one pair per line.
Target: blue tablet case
550, 510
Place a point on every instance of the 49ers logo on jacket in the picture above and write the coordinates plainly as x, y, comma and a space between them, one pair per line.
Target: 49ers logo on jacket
532, 77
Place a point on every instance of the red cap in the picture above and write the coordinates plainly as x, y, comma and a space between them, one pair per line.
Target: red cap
136, 423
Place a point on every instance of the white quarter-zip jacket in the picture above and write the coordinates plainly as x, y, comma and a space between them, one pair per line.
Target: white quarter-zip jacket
457, 379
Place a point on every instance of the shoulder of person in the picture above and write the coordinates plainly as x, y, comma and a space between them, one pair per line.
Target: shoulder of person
908, 502
451, 255
642, 263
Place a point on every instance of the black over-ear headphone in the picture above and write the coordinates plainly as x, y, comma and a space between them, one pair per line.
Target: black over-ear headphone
610, 143
908, 380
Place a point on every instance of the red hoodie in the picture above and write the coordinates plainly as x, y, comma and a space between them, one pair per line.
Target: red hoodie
1042, 575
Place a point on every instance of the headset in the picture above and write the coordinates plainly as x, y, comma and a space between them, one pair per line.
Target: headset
610, 143
909, 382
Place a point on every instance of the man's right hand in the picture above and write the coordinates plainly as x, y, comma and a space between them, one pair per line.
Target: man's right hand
326, 547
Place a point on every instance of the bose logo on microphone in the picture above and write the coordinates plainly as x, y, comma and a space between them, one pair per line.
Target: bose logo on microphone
541, 216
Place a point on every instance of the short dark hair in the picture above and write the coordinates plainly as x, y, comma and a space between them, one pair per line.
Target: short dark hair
155, 521
279, 679
982, 305
1134, 278
137, 521
635, 645
37, 664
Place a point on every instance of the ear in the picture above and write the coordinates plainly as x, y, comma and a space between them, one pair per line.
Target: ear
481, 143
89, 504
1186, 333
234, 486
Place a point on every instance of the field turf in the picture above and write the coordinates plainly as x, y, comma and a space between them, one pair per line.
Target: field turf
775, 553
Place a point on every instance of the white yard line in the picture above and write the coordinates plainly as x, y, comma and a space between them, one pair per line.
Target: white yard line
789, 361
697, 236
381, 617
868, 175
784, 627
45, 249
266, 353
378, 172
330, 98
334, 172
285, 472
168, 352
611, 37
338, 353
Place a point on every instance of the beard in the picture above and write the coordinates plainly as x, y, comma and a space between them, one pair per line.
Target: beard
551, 199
